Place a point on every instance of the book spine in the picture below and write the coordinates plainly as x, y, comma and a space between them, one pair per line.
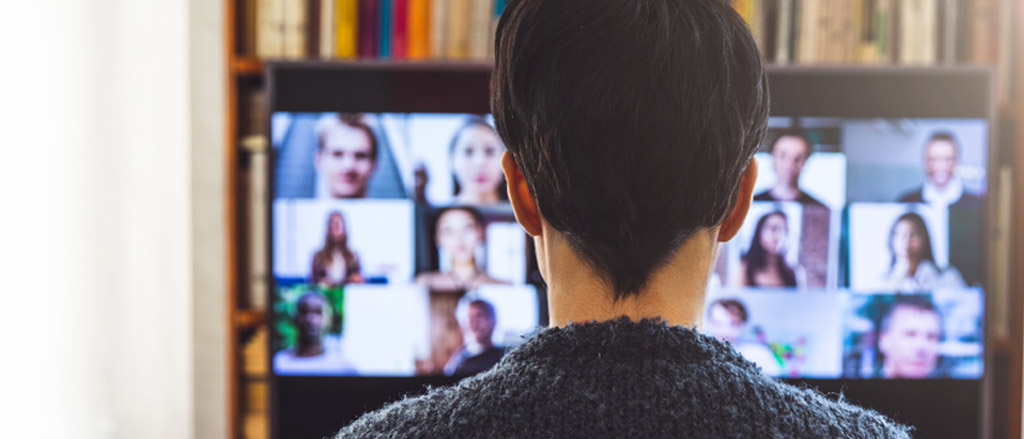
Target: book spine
457, 40
384, 28
346, 18
499, 8
419, 29
312, 28
400, 29
439, 28
481, 12
784, 40
884, 30
369, 21
327, 29
808, 38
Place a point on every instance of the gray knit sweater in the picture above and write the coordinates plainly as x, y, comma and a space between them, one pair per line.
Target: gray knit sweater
622, 379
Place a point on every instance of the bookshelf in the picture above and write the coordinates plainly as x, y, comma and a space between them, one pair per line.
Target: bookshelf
987, 32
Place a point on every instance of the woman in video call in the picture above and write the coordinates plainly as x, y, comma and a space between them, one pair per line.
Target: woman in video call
765, 265
475, 154
912, 266
459, 232
335, 264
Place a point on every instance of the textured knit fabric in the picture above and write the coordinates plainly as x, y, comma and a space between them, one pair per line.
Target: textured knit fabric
622, 379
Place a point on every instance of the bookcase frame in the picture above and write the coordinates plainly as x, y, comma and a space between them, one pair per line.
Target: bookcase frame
1005, 403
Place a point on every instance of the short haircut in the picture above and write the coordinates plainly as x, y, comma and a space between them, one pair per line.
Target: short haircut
632, 121
486, 306
917, 302
943, 136
352, 120
776, 135
733, 306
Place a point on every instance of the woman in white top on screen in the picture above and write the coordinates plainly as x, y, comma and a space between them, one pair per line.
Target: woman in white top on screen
913, 267
459, 233
335, 264
476, 164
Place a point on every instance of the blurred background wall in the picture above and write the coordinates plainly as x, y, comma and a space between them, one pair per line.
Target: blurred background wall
109, 174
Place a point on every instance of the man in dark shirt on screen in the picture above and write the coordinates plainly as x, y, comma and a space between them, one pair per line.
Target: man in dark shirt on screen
630, 128
790, 150
481, 354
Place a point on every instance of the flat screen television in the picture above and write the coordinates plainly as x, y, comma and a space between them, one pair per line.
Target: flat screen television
397, 262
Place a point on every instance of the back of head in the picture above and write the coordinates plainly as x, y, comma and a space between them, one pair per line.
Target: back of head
632, 121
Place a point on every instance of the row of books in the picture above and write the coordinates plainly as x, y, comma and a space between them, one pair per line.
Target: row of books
393, 29
905, 32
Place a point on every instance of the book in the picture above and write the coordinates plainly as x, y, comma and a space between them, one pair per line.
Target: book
807, 47
480, 14
400, 29
917, 32
457, 38
346, 28
385, 20
369, 22
269, 15
419, 29
439, 28
784, 30
294, 29
885, 30
326, 30
499, 8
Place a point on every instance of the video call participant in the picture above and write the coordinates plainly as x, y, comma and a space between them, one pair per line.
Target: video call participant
790, 151
480, 354
942, 186
909, 337
765, 264
346, 156
309, 355
630, 128
726, 321
335, 264
459, 232
475, 154
912, 265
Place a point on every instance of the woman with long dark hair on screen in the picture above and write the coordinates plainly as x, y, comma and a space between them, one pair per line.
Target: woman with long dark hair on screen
765, 265
912, 264
335, 264
459, 233
475, 154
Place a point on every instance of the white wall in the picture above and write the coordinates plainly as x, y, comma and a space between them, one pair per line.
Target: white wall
209, 285
95, 220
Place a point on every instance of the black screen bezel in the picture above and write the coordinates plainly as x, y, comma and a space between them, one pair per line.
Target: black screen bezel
318, 406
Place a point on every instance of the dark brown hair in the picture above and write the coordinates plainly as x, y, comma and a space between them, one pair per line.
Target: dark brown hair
632, 121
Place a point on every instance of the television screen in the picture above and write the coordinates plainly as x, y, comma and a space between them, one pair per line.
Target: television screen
861, 256
397, 263
395, 250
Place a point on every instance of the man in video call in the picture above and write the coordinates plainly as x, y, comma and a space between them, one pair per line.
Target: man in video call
909, 338
790, 151
346, 156
942, 186
309, 354
630, 128
481, 354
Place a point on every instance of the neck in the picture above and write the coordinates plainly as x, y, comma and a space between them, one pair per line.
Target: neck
464, 270
674, 293
468, 197
785, 191
309, 349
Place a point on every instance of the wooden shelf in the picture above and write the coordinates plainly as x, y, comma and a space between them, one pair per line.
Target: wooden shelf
249, 318
246, 66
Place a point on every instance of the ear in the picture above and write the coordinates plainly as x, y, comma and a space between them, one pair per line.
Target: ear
519, 194
732, 223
